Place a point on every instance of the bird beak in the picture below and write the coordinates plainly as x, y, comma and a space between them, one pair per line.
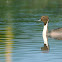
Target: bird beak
39, 20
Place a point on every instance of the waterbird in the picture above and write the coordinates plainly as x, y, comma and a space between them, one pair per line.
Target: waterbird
55, 33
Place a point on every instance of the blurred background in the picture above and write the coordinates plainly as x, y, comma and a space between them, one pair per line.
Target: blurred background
21, 33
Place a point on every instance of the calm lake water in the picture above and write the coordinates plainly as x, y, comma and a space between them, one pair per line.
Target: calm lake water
21, 34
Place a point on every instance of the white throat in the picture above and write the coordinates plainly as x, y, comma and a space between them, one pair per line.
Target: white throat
45, 29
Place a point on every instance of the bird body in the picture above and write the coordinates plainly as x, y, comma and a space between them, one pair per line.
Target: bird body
55, 33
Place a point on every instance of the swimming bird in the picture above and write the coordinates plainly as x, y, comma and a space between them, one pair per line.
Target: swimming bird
55, 33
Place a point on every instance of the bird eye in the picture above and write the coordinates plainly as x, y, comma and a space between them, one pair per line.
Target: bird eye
43, 17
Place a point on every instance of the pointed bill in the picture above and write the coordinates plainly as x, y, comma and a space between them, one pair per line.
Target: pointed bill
39, 20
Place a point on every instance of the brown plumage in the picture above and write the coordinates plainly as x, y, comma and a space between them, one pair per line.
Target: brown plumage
55, 33
44, 19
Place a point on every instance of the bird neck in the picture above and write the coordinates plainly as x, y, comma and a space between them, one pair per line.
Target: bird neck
45, 30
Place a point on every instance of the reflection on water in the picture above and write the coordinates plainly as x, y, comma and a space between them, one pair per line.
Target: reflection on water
9, 42
6, 42
21, 35
6, 38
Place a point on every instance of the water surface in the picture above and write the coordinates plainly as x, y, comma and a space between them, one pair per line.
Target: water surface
21, 33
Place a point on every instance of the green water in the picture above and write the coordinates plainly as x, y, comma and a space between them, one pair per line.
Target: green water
21, 33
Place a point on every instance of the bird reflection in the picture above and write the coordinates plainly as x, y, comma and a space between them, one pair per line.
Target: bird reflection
45, 48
